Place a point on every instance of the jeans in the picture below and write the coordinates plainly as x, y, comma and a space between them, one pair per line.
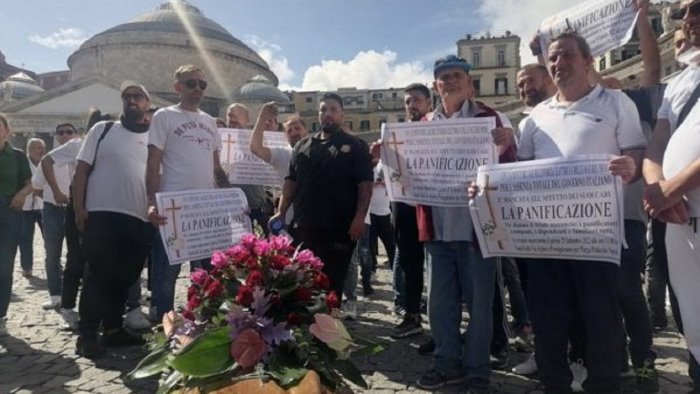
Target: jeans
360, 258
163, 278
559, 292
657, 279
10, 232
459, 272
75, 262
381, 228
26, 244
632, 301
410, 254
54, 231
115, 247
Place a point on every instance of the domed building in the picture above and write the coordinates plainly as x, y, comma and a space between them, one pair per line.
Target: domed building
258, 91
17, 87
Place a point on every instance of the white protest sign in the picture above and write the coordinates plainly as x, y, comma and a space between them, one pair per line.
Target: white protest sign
605, 24
201, 221
432, 163
242, 166
554, 208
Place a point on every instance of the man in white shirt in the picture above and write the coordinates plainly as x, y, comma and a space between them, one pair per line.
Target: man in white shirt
55, 192
185, 142
109, 199
31, 210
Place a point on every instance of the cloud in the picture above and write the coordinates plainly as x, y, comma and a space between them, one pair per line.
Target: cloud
271, 53
367, 70
70, 38
501, 16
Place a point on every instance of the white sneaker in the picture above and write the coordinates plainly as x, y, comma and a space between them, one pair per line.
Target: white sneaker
53, 303
3, 327
580, 373
136, 320
349, 310
70, 319
527, 367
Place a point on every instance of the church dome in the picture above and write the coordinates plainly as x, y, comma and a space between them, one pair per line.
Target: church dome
260, 90
151, 46
17, 87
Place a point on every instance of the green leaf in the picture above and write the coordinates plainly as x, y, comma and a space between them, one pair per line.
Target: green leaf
287, 376
153, 364
207, 355
172, 380
350, 372
368, 347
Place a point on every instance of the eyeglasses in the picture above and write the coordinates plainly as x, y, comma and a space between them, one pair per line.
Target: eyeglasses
65, 132
193, 83
134, 96
693, 9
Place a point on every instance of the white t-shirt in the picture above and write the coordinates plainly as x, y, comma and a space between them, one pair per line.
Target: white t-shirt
67, 155
379, 204
33, 202
117, 182
604, 121
682, 150
63, 179
677, 94
279, 160
188, 141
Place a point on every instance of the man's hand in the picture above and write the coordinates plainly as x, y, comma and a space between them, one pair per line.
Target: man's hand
268, 116
658, 198
155, 218
17, 202
503, 136
472, 190
357, 228
677, 214
60, 198
624, 167
80, 218
375, 150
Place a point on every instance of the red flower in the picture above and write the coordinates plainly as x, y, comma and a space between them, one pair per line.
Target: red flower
244, 295
321, 281
275, 299
294, 319
254, 278
303, 294
278, 262
214, 290
192, 291
188, 314
194, 302
332, 300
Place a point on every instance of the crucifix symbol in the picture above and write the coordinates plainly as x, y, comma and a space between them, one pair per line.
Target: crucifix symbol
396, 144
172, 208
228, 143
487, 192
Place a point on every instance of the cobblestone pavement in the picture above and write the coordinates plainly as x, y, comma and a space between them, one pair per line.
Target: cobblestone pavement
37, 357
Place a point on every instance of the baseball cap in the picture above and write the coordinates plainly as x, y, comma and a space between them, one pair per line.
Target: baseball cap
450, 61
133, 84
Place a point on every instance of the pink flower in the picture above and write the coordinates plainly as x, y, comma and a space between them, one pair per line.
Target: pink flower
280, 243
219, 260
331, 332
262, 248
332, 300
199, 277
248, 348
248, 241
307, 257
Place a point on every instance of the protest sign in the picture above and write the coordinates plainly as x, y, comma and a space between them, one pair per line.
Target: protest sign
605, 24
242, 166
201, 221
553, 208
432, 163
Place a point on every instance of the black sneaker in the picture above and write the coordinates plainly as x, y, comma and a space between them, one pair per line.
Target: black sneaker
367, 290
499, 360
88, 349
434, 379
399, 310
647, 377
408, 327
122, 338
426, 348
478, 386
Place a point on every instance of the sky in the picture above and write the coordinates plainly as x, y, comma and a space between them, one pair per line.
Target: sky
309, 44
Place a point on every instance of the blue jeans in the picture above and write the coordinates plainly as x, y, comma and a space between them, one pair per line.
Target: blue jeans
163, 278
26, 244
362, 258
10, 230
459, 272
54, 231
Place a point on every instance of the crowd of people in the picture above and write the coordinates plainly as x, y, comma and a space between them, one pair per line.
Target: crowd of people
587, 322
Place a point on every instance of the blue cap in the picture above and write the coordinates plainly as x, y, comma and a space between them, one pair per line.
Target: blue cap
450, 61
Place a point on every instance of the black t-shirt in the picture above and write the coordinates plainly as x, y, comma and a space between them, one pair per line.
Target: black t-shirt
327, 173
647, 99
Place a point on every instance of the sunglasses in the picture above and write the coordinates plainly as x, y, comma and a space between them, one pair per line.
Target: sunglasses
693, 9
134, 96
193, 83
65, 132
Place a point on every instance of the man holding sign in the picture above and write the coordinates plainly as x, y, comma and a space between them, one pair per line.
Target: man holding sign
579, 119
456, 268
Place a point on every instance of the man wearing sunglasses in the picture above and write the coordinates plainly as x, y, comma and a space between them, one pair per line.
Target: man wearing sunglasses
185, 142
671, 172
55, 182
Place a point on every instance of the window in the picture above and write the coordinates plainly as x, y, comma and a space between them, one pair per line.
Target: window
309, 99
501, 86
401, 119
501, 58
601, 64
394, 95
477, 86
377, 96
348, 124
364, 125
476, 57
